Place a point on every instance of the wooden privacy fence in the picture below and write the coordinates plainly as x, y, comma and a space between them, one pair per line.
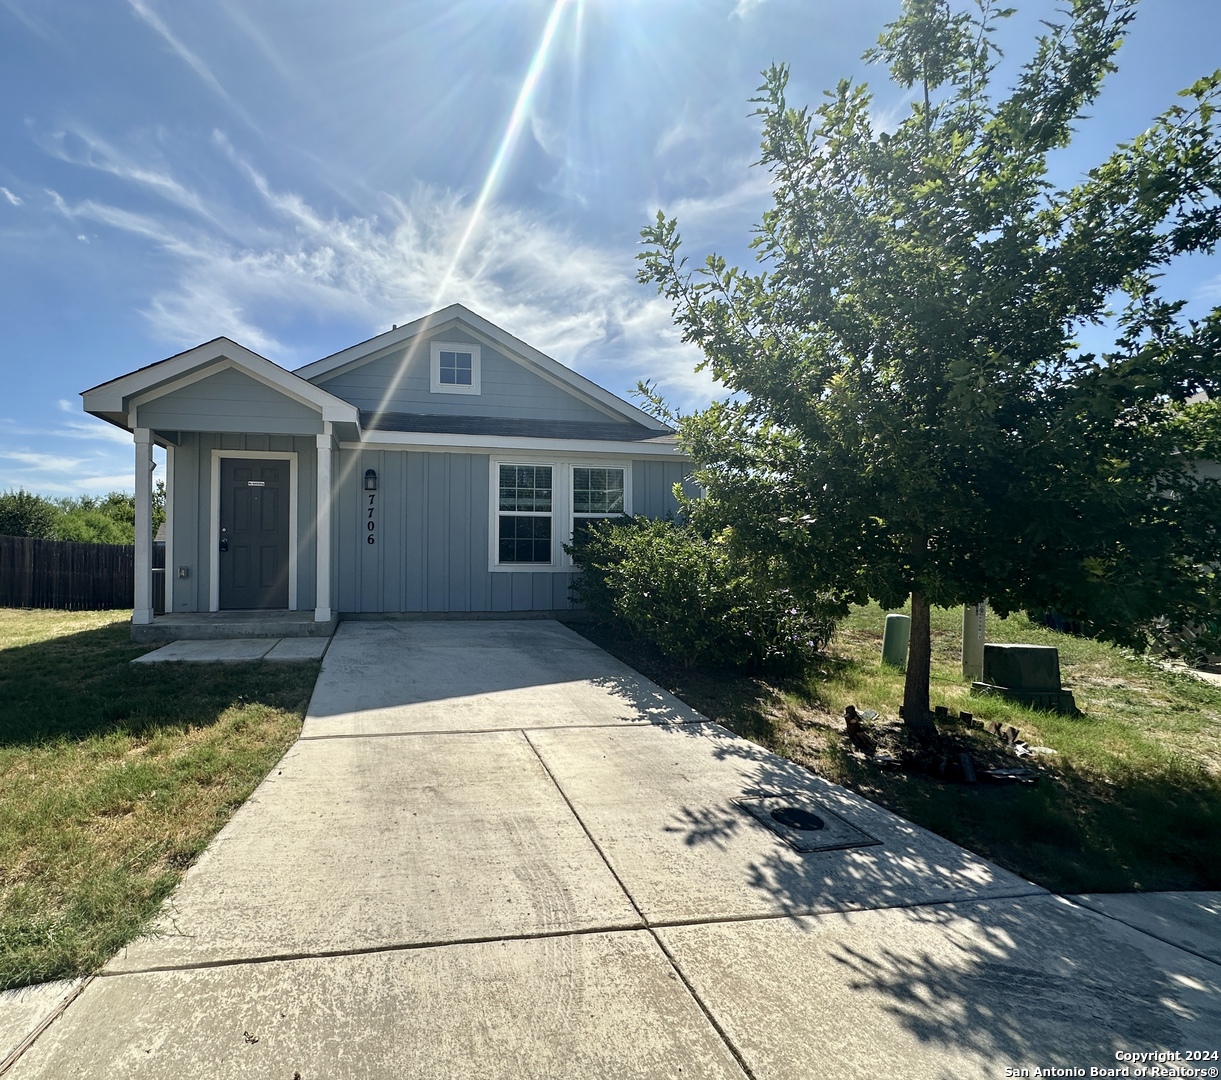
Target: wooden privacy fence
73, 576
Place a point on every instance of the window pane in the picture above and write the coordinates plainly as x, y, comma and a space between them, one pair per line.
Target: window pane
524, 539
597, 491
525, 488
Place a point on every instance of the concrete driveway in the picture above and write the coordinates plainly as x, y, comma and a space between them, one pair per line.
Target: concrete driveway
497, 852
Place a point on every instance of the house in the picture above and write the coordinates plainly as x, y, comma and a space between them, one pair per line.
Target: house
438, 467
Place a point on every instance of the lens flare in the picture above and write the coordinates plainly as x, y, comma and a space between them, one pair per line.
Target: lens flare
508, 141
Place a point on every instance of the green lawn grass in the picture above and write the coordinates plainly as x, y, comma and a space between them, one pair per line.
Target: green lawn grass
1131, 800
114, 777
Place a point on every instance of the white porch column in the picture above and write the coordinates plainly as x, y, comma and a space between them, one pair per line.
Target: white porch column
144, 527
322, 540
169, 528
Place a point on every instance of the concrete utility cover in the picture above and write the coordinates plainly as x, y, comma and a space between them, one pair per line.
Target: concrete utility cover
661, 804
804, 823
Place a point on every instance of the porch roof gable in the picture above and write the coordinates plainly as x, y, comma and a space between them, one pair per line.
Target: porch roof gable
114, 400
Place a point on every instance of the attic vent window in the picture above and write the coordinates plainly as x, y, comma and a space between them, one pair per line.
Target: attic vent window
455, 368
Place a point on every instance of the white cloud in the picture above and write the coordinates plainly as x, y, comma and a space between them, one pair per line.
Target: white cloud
14, 199
146, 13
743, 8
262, 42
752, 193
572, 299
78, 146
1209, 291
33, 25
92, 430
43, 461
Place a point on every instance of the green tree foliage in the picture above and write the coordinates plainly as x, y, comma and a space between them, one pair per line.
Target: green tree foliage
22, 513
911, 411
693, 597
89, 519
1199, 428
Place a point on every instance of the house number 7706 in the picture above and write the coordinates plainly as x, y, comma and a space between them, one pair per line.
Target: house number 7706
371, 524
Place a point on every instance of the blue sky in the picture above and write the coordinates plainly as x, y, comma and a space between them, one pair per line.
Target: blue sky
299, 176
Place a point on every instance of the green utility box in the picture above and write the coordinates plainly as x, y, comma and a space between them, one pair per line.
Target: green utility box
1026, 673
894, 640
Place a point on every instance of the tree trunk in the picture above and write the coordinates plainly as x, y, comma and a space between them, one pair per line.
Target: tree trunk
916, 713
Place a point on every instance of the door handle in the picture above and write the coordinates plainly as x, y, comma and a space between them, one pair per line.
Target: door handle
224, 543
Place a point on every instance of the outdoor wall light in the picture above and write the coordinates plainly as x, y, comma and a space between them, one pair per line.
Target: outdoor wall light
370, 480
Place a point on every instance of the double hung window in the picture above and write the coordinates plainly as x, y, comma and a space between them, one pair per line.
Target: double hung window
596, 493
524, 514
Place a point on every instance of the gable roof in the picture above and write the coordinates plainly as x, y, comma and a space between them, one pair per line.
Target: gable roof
492, 335
112, 400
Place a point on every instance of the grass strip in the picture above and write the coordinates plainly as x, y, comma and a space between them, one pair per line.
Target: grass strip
114, 777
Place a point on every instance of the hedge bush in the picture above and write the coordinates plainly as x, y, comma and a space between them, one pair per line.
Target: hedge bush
692, 597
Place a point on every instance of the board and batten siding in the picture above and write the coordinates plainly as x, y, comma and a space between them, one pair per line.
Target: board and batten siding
507, 389
431, 519
192, 487
229, 401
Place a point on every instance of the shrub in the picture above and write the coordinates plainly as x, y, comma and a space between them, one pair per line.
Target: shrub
22, 513
693, 598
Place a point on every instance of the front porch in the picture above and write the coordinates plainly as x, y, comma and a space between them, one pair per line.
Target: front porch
248, 494
217, 625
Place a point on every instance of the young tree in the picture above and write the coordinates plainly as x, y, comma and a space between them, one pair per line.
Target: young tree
912, 413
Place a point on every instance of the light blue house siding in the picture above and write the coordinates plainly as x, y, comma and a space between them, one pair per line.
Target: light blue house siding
232, 402
431, 546
399, 382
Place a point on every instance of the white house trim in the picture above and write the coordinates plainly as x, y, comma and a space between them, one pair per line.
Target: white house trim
143, 610
170, 572
465, 444
214, 530
226, 364
119, 397
322, 525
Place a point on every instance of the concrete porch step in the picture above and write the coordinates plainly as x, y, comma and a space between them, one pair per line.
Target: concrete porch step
213, 625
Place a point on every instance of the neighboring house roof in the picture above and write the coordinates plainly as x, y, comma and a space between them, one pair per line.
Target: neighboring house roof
514, 348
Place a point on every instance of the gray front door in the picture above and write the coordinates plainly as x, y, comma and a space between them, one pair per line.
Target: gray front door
253, 533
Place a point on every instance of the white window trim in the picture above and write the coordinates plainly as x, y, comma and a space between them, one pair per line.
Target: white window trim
561, 508
572, 486
434, 379
214, 553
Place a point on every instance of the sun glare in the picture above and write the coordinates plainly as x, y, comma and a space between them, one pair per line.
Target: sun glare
508, 141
